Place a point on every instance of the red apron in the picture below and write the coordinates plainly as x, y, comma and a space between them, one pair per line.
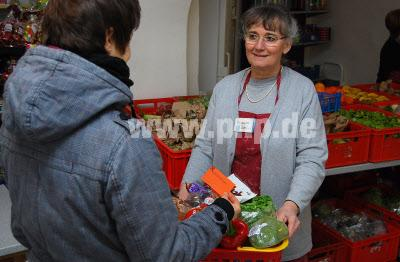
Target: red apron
248, 159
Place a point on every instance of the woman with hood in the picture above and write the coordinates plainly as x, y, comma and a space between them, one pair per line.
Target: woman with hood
84, 177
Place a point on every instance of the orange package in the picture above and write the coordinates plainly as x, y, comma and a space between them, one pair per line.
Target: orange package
217, 181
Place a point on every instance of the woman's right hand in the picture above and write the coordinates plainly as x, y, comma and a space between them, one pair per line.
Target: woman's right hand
234, 202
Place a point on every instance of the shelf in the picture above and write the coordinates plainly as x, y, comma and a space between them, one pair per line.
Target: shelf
312, 43
16, 52
309, 12
360, 167
4, 6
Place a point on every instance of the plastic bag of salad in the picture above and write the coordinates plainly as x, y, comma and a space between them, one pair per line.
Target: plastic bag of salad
256, 208
267, 232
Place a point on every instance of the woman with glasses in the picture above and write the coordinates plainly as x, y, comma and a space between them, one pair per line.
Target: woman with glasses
84, 175
264, 124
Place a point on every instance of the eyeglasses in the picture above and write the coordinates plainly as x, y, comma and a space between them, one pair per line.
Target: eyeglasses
269, 40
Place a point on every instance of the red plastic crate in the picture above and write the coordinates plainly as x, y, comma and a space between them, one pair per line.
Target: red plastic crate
355, 151
379, 248
149, 106
382, 104
174, 163
367, 87
381, 212
326, 246
227, 255
384, 143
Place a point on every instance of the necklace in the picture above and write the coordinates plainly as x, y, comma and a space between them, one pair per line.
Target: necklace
261, 98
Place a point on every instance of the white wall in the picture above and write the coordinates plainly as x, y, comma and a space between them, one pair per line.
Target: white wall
208, 44
193, 48
358, 33
159, 49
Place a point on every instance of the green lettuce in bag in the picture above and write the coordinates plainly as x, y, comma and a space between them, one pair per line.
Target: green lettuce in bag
267, 232
257, 208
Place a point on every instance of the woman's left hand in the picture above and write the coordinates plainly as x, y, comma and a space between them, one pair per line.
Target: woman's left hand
288, 213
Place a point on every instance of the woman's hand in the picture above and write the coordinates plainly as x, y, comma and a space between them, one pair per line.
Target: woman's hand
288, 213
183, 193
234, 202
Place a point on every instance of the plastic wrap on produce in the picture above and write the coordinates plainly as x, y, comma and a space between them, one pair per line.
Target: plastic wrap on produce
256, 208
354, 226
267, 232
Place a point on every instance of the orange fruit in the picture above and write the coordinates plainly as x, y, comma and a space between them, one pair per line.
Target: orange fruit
332, 90
320, 87
348, 100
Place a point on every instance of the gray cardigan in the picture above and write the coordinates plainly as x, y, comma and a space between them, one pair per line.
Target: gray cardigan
292, 167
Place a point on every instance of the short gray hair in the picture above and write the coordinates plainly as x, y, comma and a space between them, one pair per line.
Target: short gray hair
273, 17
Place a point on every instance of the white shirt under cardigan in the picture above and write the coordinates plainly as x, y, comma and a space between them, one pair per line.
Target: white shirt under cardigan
292, 168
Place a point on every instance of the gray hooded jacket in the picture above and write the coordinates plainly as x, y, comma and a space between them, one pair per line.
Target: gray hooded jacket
86, 185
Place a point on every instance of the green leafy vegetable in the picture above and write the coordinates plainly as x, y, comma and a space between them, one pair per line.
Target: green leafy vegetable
203, 100
386, 200
267, 232
256, 208
376, 120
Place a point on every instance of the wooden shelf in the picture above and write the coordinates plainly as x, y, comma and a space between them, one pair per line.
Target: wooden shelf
311, 43
4, 6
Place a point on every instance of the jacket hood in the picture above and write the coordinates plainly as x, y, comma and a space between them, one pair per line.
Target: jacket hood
53, 92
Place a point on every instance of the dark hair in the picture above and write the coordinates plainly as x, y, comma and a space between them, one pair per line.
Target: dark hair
393, 22
273, 17
80, 25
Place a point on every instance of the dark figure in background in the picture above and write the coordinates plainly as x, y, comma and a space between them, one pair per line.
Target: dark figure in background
390, 52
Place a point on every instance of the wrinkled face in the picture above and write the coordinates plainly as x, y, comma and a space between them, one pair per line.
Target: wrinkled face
264, 48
